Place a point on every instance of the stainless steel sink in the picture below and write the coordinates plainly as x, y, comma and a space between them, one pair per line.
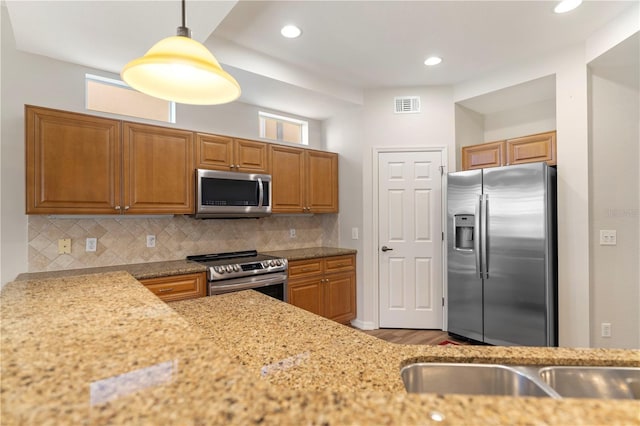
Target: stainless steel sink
593, 382
473, 379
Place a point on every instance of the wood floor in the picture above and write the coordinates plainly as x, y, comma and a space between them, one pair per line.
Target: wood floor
412, 337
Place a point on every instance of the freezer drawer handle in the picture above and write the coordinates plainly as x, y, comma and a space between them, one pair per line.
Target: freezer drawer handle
385, 248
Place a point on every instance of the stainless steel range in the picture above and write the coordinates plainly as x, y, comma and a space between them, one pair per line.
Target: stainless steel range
244, 270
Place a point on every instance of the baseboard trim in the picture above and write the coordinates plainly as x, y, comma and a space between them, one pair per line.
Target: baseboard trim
363, 325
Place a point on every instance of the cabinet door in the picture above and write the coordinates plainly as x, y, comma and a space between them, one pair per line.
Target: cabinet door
178, 287
72, 163
251, 156
340, 297
307, 294
287, 174
214, 152
158, 170
531, 149
322, 182
484, 155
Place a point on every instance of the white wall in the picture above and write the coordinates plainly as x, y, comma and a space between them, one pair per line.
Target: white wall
615, 202
526, 120
355, 134
343, 133
469, 131
38, 80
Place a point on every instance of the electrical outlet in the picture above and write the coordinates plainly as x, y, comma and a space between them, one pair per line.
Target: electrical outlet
64, 246
292, 233
151, 241
354, 233
91, 244
605, 329
608, 237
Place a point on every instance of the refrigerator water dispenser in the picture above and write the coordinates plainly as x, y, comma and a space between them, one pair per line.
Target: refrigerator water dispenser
463, 230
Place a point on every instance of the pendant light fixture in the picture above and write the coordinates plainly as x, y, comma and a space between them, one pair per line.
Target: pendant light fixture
182, 70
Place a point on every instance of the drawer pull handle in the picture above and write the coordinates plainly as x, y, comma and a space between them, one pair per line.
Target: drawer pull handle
165, 290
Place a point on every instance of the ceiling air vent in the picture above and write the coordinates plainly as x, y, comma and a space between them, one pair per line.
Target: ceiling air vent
407, 104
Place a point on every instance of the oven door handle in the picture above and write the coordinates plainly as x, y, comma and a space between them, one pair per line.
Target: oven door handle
247, 283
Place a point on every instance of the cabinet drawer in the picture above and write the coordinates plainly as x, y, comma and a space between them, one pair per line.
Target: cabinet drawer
304, 268
339, 264
177, 287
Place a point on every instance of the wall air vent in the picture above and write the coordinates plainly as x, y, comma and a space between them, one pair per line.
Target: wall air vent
407, 104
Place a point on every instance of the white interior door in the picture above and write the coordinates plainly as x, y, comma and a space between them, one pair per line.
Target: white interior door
410, 239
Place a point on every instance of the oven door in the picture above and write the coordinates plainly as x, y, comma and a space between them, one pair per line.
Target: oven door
274, 285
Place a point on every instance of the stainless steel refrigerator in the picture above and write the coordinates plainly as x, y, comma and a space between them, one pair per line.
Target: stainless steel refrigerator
502, 260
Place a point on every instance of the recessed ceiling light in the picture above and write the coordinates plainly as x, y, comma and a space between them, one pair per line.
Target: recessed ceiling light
567, 5
290, 31
433, 60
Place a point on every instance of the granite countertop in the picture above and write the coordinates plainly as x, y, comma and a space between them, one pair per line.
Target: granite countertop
73, 353
311, 253
139, 271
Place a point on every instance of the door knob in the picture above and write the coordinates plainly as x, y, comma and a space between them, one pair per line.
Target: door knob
385, 248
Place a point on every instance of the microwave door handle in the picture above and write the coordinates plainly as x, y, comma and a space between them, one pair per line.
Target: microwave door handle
260, 192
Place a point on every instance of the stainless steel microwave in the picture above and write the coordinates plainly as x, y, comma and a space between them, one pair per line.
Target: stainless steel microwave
232, 194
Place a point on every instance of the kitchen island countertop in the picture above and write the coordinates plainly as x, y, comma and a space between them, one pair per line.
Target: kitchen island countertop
74, 353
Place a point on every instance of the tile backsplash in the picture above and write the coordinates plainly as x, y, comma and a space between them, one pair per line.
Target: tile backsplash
123, 240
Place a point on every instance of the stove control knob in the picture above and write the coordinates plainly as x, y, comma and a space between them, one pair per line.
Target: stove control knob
236, 268
278, 262
228, 268
217, 269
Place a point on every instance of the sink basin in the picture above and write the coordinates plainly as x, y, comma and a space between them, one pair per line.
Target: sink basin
471, 379
593, 382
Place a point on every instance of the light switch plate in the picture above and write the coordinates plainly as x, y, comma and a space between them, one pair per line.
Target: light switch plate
354, 233
151, 241
608, 237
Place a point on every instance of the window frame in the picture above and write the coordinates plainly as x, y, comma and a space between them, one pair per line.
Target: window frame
121, 84
304, 127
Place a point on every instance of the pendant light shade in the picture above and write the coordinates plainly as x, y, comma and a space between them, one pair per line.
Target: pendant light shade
182, 70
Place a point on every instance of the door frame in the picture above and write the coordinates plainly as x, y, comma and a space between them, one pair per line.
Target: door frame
375, 240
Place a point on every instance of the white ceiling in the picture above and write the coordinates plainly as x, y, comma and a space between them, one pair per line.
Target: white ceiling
345, 46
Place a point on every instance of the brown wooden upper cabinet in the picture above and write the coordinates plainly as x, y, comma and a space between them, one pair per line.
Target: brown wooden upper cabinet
82, 164
303, 180
158, 174
530, 149
217, 152
484, 155
526, 149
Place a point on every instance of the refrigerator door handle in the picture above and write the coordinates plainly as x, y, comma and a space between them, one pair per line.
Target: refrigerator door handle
476, 237
484, 236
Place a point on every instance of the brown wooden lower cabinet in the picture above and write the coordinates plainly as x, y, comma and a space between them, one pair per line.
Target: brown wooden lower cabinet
324, 286
178, 287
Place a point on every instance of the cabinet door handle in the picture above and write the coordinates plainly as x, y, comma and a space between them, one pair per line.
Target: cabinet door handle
126, 207
117, 207
165, 290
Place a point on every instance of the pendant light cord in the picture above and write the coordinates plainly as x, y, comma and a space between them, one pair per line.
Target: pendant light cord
183, 30
184, 23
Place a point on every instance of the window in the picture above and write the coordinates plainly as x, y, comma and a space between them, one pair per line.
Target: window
115, 96
283, 129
